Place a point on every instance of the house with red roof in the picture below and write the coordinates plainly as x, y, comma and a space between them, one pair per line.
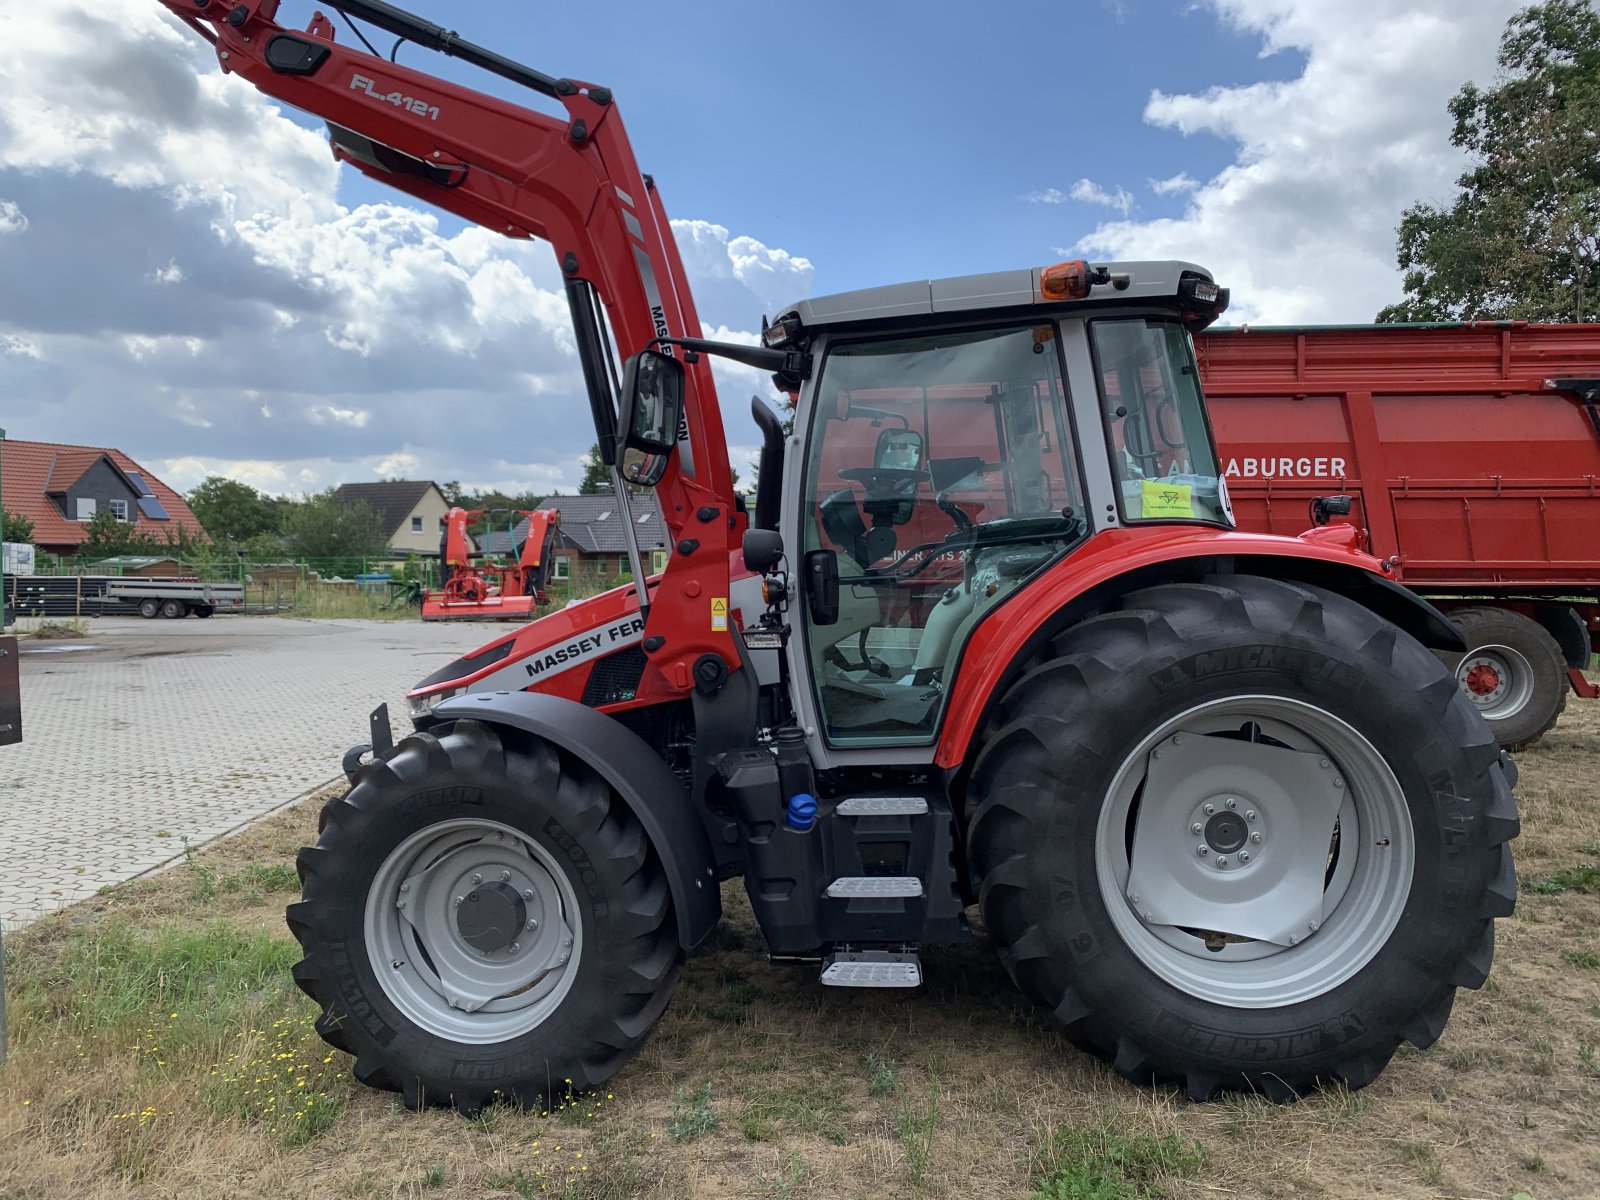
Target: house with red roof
60, 488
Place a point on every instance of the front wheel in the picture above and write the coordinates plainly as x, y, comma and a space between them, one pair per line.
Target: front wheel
483, 920
1242, 835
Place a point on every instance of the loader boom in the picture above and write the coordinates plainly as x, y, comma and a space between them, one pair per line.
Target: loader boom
573, 183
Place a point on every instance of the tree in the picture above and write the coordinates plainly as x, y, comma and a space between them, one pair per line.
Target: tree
1522, 239
596, 475
18, 528
321, 526
107, 536
232, 511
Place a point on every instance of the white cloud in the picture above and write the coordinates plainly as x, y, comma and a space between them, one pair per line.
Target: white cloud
293, 342
1048, 196
1301, 224
1090, 192
1181, 182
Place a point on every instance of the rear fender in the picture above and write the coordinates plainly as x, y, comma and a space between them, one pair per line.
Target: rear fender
1111, 564
635, 772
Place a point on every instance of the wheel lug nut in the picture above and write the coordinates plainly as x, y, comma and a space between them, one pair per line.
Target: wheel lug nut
533, 924
1337, 782
1255, 837
1148, 916
1244, 856
1177, 739
399, 903
1222, 860
1314, 926
1249, 814
1202, 851
515, 946
457, 902
527, 893
1197, 828
405, 887
1232, 803
477, 877
1208, 808
1322, 762
504, 875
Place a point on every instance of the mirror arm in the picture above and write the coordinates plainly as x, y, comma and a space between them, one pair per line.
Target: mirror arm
789, 363
596, 374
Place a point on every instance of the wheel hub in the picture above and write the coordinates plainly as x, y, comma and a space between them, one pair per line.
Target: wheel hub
1483, 680
1226, 832
492, 917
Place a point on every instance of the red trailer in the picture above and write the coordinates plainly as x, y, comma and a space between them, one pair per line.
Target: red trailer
1471, 454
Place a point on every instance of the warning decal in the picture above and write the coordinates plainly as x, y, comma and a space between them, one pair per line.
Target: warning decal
719, 614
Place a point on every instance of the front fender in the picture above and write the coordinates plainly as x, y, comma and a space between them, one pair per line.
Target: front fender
637, 774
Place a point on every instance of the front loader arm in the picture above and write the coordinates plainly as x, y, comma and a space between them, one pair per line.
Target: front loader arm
574, 183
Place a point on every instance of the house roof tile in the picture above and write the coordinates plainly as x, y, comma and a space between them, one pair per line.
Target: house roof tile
31, 471
391, 499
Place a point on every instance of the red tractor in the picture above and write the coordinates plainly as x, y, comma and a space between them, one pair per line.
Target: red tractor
987, 637
488, 591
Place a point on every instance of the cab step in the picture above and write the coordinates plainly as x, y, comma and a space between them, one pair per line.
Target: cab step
875, 887
882, 806
872, 969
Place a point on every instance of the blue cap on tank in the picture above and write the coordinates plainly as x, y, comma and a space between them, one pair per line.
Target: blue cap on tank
802, 813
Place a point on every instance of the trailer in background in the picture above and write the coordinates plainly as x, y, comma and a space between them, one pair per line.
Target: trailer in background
112, 595
1471, 454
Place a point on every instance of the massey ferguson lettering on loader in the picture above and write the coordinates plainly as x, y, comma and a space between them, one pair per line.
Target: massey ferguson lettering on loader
977, 643
1470, 456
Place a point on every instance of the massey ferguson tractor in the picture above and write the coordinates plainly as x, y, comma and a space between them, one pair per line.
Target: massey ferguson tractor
986, 637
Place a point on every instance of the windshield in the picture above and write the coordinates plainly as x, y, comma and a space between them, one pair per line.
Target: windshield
1161, 449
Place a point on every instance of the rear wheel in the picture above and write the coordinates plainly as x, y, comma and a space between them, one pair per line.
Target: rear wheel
1514, 673
202, 610
149, 609
173, 609
483, 920
1242, 835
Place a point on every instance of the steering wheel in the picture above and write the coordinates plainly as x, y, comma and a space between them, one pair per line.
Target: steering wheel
886, 483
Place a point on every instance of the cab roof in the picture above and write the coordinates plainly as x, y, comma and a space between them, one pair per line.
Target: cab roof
1155, 280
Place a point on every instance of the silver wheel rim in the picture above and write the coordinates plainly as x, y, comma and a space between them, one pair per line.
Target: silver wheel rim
1328, 822
1498, 679
418, 939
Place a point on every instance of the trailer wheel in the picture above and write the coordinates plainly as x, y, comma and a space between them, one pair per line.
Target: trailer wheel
202, 610
1242, 835
1514, 672
173, 609
483, 920
149, 609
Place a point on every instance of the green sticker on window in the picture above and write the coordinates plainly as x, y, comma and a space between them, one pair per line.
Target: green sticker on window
1161, 498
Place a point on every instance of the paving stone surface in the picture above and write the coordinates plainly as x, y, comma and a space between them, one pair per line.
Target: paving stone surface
166, 730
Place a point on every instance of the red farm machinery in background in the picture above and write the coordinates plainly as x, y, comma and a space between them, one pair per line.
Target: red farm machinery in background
987, 637
474, 587
1471, 458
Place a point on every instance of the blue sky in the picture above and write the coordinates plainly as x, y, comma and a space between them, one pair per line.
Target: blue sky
205, 290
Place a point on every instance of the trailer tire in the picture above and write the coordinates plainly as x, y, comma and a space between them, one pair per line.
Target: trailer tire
1403, 895
202, 610
173, 609
575, 939
1514, 671
149, 609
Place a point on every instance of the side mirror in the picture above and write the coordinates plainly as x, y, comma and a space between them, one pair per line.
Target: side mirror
898, 450
822, 587
652, 407
763, 549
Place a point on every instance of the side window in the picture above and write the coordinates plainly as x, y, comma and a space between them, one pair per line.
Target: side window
942, 474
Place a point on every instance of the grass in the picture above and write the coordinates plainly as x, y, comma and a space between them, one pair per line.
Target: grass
54, 628
759, 1082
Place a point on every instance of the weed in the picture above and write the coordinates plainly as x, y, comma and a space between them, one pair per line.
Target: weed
205, 879
1584, 880
1587, 959
880, 1074
812, 1102
434, 1177
1098, 1163
73, 627
1532, 1163
1425, 1159
915, 1123
692, 1115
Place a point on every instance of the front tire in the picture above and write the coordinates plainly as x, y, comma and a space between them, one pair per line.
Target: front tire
484, 919
1299, 885
149, 609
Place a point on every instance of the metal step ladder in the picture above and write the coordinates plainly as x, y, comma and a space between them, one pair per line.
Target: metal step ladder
872, 969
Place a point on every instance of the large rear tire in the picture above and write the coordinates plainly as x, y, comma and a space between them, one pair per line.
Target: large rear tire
1242, 835
484, 920
1514, 673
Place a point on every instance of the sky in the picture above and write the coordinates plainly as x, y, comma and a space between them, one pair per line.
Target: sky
187, 275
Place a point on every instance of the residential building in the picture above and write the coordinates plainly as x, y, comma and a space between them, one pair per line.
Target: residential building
412, 512
592, 547
60, 488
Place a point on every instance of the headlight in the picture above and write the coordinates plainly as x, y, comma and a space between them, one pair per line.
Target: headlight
423, 705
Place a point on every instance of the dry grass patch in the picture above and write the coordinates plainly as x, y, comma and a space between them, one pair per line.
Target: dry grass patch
760, 1082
